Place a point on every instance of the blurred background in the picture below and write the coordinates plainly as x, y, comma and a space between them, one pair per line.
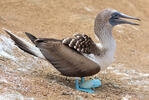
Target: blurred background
24, 77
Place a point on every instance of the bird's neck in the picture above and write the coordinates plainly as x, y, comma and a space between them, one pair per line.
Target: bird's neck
107, 46
104, 34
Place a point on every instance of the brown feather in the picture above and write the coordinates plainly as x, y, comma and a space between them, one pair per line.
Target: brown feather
66, 60
20, 43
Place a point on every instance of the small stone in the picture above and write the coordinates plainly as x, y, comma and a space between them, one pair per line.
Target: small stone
86, 96
1, 87
116, 86
67, 93
79, 98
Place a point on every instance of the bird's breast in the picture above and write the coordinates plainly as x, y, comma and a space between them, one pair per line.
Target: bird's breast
104, 61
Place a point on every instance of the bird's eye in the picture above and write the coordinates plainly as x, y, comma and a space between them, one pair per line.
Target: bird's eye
115, 16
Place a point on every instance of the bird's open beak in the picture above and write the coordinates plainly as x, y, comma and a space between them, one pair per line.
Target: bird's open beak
124, 16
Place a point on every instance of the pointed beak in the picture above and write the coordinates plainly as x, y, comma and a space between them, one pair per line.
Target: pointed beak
128, 17
124, 16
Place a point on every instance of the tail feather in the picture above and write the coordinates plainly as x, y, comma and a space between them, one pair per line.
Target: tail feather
24, 45
31, 37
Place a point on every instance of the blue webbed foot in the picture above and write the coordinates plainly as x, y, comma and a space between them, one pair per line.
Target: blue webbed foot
96, 83
88, 90
91, 84
86, 86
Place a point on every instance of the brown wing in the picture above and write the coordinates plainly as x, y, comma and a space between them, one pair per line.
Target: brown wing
66, 60
82, 44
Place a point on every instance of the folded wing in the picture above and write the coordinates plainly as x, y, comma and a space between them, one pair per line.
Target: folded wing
66, 60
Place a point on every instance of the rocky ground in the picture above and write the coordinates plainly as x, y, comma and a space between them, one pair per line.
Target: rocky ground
24, 77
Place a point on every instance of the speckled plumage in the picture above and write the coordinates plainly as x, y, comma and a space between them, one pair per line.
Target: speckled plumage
82, 44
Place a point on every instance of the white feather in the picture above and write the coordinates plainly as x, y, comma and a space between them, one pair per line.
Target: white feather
105, 60
31, 47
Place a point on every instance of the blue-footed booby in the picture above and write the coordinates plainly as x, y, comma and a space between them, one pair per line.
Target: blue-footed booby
79, 56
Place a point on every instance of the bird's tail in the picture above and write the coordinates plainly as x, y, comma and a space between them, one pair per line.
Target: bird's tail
24, 45
31, 37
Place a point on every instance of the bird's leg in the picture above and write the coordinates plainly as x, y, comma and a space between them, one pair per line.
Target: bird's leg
82, 80
88, 90
77, 84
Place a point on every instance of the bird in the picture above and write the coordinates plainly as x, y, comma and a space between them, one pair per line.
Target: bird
79, 56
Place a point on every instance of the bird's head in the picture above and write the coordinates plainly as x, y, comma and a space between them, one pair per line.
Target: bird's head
113, 18
107, 19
